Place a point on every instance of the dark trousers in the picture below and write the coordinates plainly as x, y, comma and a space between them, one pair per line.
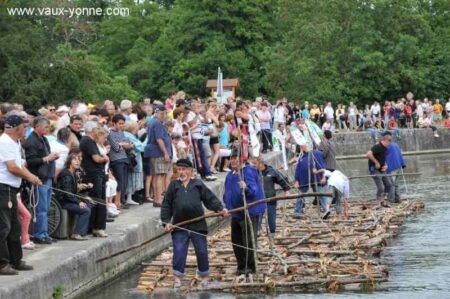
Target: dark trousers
180, 241
241, 235
384, 184
120, 171
266, 139
97, 193
81, 228
10, 227
272, 217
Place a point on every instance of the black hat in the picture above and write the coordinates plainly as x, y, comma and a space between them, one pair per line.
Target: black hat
14, 121
184, 163
234, 152
160, 108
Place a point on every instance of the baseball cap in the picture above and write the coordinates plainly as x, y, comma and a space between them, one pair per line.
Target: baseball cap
184, 163
234, 152
14, 121
160, 108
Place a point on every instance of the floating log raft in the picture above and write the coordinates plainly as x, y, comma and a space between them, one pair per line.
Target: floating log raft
308, 254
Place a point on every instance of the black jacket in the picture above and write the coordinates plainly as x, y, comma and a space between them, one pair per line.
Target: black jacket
272, 177
67, 182
36, 148
182, 204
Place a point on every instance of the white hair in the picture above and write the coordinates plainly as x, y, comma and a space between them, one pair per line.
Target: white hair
89, 126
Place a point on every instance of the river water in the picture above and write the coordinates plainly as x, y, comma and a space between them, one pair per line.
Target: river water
418, 259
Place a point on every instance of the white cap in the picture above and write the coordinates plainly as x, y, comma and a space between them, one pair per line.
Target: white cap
63, 108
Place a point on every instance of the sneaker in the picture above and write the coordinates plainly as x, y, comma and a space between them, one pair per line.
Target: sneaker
29, 246
8, 270
210, 178
22, 266
326, 214
99, 233
131, 202
42, 241
226, 169
436, 135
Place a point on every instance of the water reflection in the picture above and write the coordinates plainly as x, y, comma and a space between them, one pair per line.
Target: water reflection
418, 258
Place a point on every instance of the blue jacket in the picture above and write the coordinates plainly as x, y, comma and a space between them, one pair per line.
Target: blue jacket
254, 191
304, 171
394, 158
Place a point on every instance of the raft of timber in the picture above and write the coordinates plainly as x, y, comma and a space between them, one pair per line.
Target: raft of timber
308, 254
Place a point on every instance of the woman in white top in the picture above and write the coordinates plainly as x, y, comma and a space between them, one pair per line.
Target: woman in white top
212, 120
64, 141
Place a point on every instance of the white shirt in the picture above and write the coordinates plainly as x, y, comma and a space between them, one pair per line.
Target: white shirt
64, 121
329, 111
103, 152
278, 114
9, 151
338, 180
447, 106
351, 111
62, 150
326, 127
375, 109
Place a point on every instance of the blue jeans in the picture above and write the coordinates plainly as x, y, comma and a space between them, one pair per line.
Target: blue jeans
81, 228
272, 217
180, 241
43, 198
204, 170
301, 200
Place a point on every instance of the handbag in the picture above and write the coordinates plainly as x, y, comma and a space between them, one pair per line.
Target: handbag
133, 159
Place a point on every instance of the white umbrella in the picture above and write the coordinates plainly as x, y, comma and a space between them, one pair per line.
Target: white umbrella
219, 89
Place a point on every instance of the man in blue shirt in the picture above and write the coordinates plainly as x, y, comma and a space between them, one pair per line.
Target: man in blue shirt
308, 162
159, 150
396, 163
237, 182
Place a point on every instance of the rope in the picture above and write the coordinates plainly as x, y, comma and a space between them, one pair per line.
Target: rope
34, 201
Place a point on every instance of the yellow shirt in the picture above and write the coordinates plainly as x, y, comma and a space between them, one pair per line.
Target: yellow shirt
315, 111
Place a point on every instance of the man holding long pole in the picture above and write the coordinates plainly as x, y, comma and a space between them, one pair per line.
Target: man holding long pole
242, 187
184, 200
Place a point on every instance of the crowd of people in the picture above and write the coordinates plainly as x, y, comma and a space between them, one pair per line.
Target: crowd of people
100, 159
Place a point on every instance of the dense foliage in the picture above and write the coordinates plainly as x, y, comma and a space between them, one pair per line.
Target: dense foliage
312, 50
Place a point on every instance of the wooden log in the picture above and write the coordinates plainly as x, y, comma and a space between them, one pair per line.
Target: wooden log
300, 241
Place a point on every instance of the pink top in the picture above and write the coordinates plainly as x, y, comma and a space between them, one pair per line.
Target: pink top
169, 105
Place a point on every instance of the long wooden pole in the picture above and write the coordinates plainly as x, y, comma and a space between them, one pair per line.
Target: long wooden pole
211, 215
258, 202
